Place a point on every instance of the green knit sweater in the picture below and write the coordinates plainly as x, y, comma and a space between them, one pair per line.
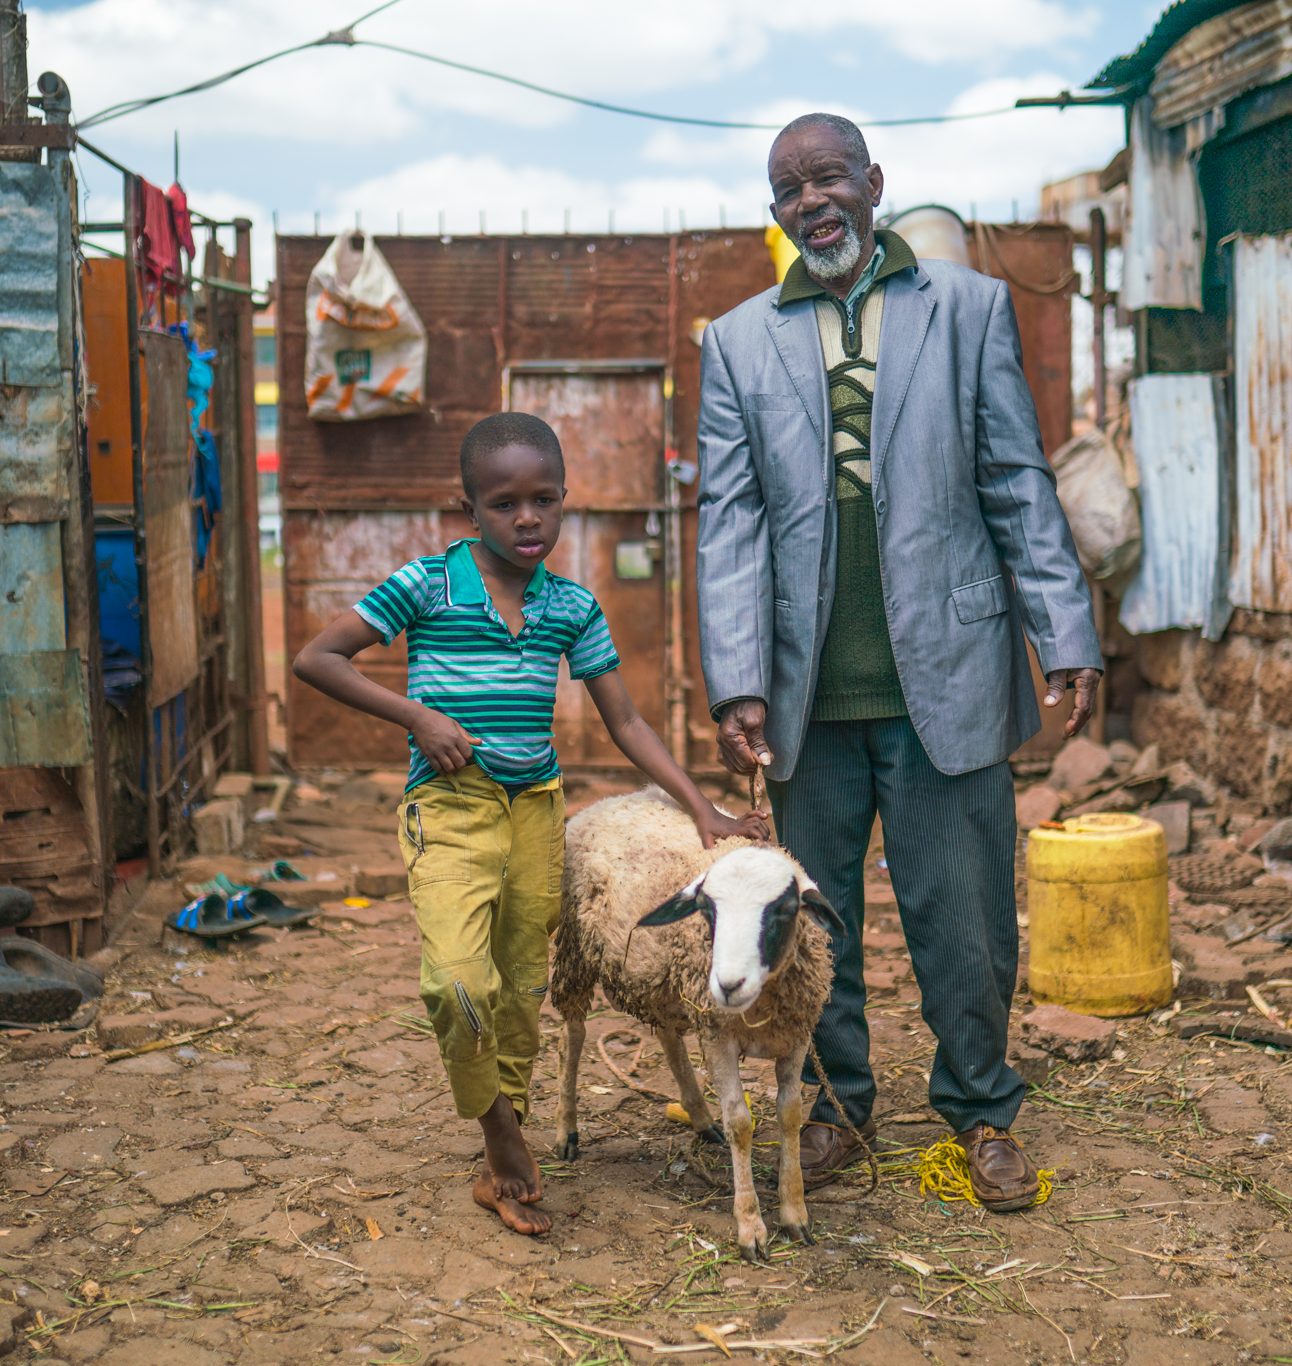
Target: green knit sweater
858, 679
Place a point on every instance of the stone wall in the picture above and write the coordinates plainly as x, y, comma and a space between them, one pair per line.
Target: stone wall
1224, 708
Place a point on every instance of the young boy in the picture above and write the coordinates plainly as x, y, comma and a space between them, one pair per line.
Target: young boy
482, 824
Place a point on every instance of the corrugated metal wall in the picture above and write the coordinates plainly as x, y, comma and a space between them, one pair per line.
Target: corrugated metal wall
360, 499
1262, 566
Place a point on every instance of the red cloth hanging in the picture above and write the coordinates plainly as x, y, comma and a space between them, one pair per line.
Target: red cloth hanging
183, 223
158, 245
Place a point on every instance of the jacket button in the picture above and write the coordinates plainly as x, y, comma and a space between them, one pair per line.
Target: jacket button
881, 506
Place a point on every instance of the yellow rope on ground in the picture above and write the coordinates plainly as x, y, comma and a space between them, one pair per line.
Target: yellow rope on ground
944, 1172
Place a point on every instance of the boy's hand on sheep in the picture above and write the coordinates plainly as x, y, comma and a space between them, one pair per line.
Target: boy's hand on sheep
442, 740
741, 744
716, 825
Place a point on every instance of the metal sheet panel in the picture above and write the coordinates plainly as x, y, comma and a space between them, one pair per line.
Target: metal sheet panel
30, 214
1176, 424
36, 433
1262, 569
44, 711
168, 519
31, 587
1165, 226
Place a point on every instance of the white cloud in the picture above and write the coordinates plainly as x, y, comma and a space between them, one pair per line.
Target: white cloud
348, 98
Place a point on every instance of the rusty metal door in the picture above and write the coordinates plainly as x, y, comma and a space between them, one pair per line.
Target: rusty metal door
610, 417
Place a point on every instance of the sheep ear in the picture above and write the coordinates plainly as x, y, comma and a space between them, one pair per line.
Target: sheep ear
815, 905
677, 907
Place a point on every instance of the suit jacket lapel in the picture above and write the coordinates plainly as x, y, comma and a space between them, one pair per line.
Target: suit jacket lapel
908, 306
794, 331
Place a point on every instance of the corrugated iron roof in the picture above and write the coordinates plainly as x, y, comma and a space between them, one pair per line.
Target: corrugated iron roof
1136, 68
1262, 569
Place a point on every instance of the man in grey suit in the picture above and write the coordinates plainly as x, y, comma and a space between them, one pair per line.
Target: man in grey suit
878, 527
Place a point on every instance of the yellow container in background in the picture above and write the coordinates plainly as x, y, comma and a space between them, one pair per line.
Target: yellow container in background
1098, 915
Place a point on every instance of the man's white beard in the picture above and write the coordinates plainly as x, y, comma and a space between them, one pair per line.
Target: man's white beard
836, 261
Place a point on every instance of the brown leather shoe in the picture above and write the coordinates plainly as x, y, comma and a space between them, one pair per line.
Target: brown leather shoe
1003, 1176
825, 1150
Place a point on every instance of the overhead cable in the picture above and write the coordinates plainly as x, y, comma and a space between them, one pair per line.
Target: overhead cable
344, 37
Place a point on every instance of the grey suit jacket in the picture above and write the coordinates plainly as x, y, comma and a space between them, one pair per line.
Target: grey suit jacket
973, 544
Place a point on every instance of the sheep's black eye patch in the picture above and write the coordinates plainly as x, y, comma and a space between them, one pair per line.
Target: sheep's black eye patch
705, 905
777, 926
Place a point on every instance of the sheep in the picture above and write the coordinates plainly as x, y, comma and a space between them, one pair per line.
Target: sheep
749, 974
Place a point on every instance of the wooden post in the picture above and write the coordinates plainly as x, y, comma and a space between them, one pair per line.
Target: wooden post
1099, 303
252, 622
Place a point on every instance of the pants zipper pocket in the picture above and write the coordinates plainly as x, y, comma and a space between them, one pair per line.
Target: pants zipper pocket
469, 1010
411, 814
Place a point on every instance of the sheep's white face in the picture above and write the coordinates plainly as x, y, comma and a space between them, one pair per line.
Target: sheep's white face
750, 899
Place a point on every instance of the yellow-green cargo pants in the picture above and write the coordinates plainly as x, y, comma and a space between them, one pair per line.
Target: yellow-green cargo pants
484, 877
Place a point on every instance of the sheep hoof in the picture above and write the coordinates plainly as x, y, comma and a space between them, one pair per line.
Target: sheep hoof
801, 1233
713, 1134
568, 1149
755, 1252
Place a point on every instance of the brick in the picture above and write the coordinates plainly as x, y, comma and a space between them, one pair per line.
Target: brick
381, 879
1210, 968
1037, 804
1123, 754
219, 827
238, 787
1065, 1034
1173, 817
1080, 761
1034, 1065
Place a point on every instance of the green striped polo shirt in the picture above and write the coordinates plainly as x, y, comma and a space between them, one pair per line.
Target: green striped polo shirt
464, 661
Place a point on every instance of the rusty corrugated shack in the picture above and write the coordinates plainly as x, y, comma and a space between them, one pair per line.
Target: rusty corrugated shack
1208, 280
130, 644
599, 336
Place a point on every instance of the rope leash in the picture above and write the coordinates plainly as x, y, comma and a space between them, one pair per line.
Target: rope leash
944, 1173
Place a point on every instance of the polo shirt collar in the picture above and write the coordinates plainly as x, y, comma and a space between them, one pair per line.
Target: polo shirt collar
465, 586
897, 255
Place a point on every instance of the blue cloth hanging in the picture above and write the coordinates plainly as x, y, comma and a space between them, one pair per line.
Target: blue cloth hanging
207, 497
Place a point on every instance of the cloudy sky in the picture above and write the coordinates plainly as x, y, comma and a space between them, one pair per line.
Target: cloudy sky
338, 131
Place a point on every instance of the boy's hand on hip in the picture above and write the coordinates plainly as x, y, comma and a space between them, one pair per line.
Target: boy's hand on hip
443, 741
741, 745
1085, 684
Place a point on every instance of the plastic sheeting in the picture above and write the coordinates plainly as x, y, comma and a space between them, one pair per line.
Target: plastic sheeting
1183, 574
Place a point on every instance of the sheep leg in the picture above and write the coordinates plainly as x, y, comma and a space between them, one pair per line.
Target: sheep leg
693, 1101
789, 1111
724, 1067
569, 1051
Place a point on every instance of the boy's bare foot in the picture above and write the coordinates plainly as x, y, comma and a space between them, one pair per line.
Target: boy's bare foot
523, 1218
514, 1172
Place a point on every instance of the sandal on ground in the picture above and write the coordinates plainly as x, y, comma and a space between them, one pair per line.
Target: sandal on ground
35, 960
211, 917
27, 999
271, 908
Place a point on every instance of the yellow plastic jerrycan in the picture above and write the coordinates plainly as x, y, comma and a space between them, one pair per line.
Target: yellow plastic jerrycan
1098, 915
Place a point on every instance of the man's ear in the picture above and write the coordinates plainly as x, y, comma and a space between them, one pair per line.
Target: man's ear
677, 907
815, 905
469, 509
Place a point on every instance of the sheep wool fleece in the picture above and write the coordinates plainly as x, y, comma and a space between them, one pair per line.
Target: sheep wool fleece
484, 877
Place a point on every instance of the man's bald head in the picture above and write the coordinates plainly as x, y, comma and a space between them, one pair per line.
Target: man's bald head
849, 134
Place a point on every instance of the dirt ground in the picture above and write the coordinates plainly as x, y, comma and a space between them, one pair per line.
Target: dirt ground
290, 1184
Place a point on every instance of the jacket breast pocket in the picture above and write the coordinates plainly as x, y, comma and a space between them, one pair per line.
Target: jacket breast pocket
974, 601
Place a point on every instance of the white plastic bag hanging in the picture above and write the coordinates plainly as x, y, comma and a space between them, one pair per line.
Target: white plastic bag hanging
1101, 509
365, 348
